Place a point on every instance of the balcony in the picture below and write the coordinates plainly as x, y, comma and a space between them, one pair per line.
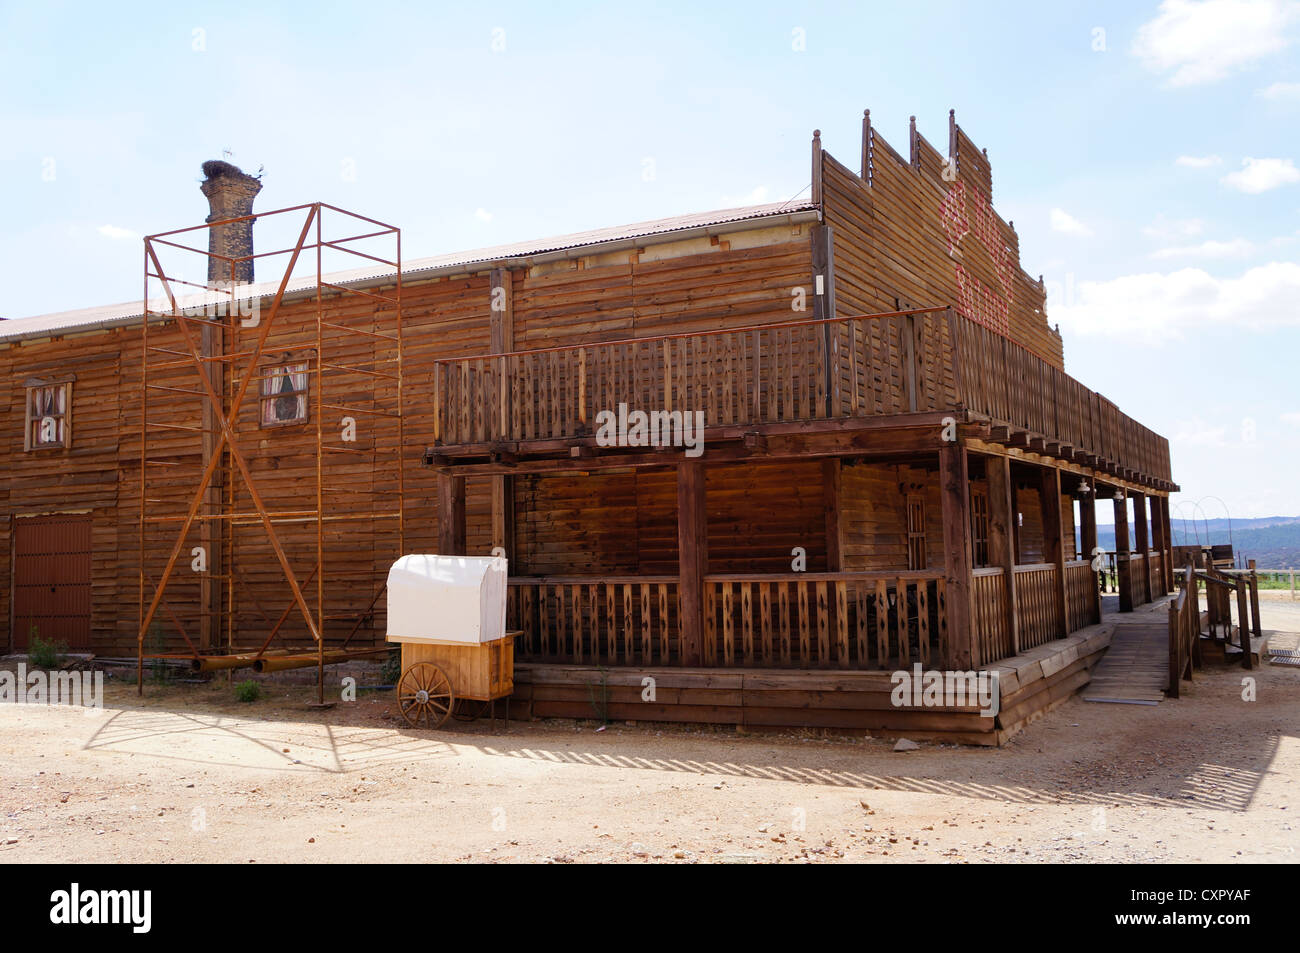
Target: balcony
800, 378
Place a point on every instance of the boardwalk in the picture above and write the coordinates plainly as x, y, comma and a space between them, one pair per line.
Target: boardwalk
1135, 669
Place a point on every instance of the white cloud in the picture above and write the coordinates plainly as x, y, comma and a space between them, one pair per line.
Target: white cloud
483, 215
1197, 162
115, 233
1157, 305
1067, 224
1261, 175
1280, 92
1203, 42
1292, 418
1166, 229
1237, 248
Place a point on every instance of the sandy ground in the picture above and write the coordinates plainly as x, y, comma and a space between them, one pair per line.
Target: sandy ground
189, 774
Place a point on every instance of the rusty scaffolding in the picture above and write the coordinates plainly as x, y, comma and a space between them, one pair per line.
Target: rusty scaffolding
196, 472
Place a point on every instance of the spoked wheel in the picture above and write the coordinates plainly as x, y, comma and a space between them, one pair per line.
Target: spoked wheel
424, 695
469, 709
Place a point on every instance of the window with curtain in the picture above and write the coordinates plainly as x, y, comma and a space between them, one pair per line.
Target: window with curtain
48, 407
284, 394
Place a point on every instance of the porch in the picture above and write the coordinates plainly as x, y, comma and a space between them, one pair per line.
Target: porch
957, 476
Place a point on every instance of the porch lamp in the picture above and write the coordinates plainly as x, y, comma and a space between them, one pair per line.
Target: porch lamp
1083, 489
1119, 496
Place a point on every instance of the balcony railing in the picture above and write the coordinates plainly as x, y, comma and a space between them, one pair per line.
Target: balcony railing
861, 366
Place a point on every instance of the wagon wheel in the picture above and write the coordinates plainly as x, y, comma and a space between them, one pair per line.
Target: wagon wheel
424, 695
469, 709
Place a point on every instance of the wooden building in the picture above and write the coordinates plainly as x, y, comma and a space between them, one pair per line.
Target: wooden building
893, 468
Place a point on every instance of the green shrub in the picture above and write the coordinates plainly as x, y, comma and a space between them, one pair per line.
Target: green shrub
248, 691
392, 670
45, 653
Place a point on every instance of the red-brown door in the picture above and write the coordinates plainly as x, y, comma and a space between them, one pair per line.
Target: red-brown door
52, 580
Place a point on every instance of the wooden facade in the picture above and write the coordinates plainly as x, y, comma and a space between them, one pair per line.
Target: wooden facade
891, 463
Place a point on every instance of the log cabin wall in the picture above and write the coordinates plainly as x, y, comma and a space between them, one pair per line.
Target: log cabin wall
922, 231
742, 275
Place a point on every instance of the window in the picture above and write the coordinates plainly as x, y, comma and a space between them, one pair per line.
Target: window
49, 414
979, 526
915, 531
284, 394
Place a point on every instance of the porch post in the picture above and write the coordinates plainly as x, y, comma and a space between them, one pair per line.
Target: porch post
1002, 543
451, 515
502, 333
954, 492
1158, 545
1169, 544
692, 558
1143, 540
1088, 541
1122, 570
1049, 498
831, 482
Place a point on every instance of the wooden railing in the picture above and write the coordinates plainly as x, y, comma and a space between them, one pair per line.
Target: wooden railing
860, 366
613, 620
989, 614
855, 620
1080, 592
1184, 633
798, 620
1036, 605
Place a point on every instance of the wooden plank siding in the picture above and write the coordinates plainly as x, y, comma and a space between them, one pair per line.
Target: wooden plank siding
740, 277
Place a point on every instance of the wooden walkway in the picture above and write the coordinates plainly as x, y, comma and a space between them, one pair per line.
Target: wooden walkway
1135, 669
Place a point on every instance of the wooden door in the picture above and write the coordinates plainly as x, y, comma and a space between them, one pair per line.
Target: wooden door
52, 580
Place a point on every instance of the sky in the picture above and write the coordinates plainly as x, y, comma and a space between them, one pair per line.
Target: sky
1146, 152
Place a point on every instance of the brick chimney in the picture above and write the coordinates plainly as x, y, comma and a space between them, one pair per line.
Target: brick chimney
230, 193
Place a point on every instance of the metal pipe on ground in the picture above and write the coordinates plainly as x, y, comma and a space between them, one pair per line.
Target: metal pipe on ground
283, 663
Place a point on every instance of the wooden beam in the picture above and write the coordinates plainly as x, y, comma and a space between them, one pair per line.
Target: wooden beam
451, 515
1088, 542
1142, 538
954, 492
1002, 537
1158, 544
1049, 498
692, 558
502, 331
1123, 571
831, 490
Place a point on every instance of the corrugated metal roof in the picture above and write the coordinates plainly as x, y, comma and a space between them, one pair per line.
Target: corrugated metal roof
86, 319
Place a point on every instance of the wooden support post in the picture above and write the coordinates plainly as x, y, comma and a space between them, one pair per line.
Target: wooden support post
692, 558
823, 262
1254, 600
1143, 540
1049, 498
954, 491
1088, 541
1002, 543
1123, 572
212, 531
831, 488
1159, 544
451, 515
1169, 546
502, 332
1243, 621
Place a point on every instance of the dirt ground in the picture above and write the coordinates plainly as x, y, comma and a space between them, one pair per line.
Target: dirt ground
189, 774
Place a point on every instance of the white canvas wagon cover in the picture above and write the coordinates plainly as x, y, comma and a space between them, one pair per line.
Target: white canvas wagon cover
447, 599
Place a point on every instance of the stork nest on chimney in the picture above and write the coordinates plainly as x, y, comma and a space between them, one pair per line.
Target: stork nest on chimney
219, 169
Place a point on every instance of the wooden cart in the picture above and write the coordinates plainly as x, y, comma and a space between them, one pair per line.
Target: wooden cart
444, 679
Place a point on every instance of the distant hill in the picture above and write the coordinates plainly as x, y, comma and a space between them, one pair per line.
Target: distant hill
1272, 541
